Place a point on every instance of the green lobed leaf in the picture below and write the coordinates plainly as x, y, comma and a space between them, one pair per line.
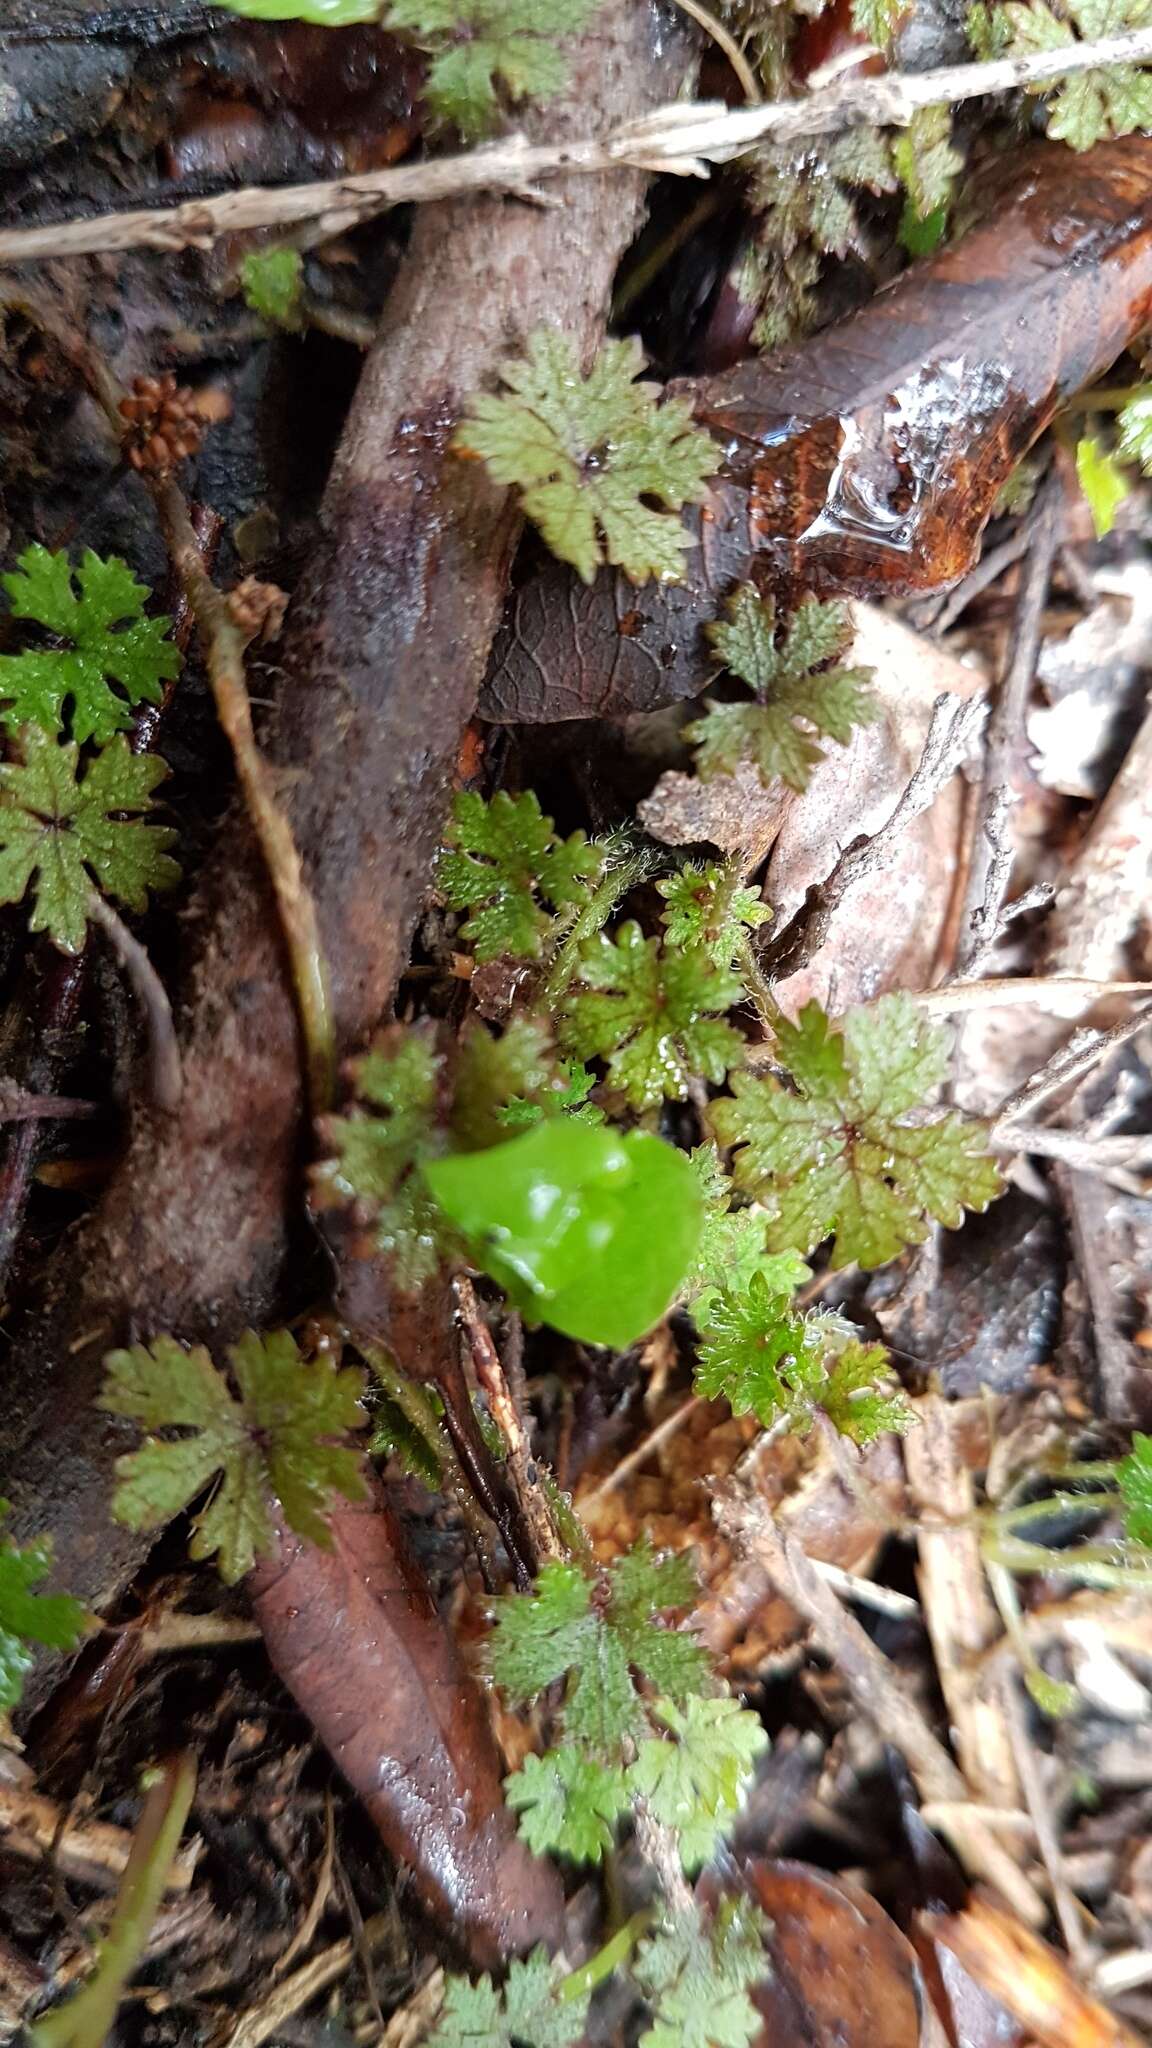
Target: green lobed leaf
732, 1244
273, 284
650, 1012
61, 835
927, 164
272, 1444
707, 909
850, 1152
55, 1621
100, 611
1088, 106
378, 1149
588, 1229
696, 1978
567, 1803
590, 453
1134, 429
695, 1779
478, 47
527, 2012
504, 863
802, 690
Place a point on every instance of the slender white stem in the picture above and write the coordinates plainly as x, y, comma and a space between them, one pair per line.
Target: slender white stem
680, 138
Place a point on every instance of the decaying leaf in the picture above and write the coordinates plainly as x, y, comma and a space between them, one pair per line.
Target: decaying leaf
842, 1975
871, 458
355, 1637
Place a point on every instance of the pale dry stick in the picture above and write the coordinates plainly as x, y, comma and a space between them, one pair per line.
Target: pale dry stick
962, 1620
1114, 1157
952, 734
866, 1592
165, 1080
1047, 1842
223, 648
681, 139
175, 1632
991, 865
1010, 992
876, 1690
654, 1441
413, 2021
92, 1851
1070, 1063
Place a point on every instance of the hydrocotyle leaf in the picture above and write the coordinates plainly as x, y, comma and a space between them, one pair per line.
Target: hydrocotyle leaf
590, 453
275, 1443
851, 1150
62, 835
99, 611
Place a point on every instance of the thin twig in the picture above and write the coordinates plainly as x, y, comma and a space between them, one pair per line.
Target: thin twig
952, 734
992, 856
725, 41
165, 1081
1068, 1064
875, 1687
1039, 1806
681, 139
492, 1381
641, 1452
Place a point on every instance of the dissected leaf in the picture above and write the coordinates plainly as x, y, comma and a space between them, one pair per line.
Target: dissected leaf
63, 835
568, 1804
379, 1148
707, 908
732, 1246
478, 46
850, 1150
1102, 481
100, 611
493, 1074
588, 1229
696, 1979
273, 284
878, 20
504, 864
599, 1633
1087, 106
858, 1395
696, 1782
273, 1443
798, 693
589, 453
926, 162
650, 1012
806, 199
54, 1620
757, 1352
525, 2013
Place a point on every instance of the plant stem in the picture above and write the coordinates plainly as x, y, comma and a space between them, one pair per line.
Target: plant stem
1052, 1503
1096, 1564
165, 1081
417, 1407
580, 1983
87, 2019
619, 877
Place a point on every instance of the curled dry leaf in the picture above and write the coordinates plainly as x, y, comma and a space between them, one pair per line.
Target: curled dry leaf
359, 1643
869, 459
1027, 1977
842, 1975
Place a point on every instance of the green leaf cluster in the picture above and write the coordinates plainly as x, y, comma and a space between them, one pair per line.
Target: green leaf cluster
591, 454
54, 1621
1088, 106
696, 1978
61, 833
651, 1012
732, 1242
1134, 1479
807, 202
275, 1442
708, 908
378, 1150
761, 1355
801, 689
527, 2011
1102, 481
482, 48
688, 1754
504, 863
99, 613
851, 1146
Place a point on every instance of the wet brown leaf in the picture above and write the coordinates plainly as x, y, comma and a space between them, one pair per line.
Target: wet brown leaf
1027, 1977
843, 1975
870, 458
